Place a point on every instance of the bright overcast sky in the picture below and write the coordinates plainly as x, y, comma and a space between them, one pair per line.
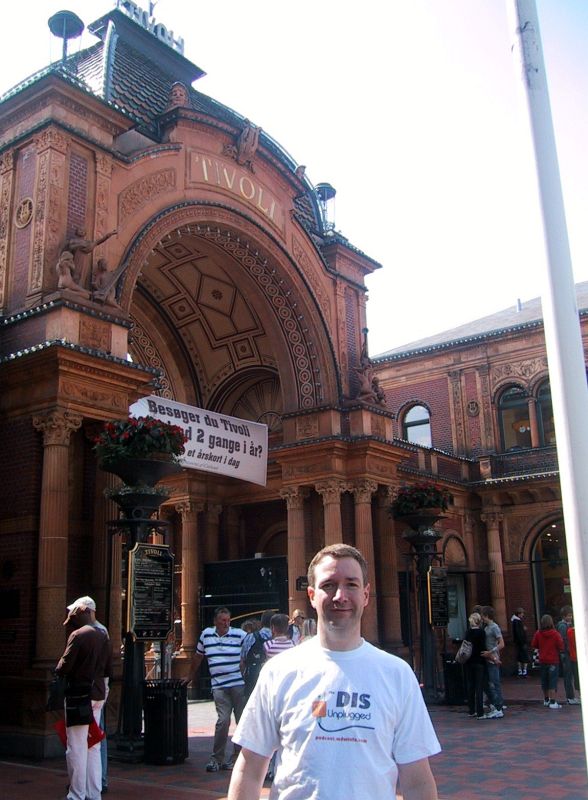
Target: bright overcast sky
412, 109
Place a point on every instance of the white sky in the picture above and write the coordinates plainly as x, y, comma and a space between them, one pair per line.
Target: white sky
412, 109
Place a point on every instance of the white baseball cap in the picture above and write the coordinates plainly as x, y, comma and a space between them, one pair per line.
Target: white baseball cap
85, 602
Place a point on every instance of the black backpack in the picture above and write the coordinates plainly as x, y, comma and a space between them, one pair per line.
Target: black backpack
254, 661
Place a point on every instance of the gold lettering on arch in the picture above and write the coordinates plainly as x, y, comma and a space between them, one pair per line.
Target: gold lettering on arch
208, 170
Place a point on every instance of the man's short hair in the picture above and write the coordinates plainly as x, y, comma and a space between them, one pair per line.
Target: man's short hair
279, 623
338, 551
266, 618
488, 611
84, 603
566, 610
221, 610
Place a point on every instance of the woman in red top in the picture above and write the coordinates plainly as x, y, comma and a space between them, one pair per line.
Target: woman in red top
550, 644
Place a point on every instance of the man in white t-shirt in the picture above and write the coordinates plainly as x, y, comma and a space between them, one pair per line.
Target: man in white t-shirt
345, 718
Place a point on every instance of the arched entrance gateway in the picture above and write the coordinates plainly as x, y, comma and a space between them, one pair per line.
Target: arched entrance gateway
155, 242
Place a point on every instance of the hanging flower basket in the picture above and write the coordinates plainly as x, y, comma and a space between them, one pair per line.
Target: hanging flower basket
426, 500
140, 450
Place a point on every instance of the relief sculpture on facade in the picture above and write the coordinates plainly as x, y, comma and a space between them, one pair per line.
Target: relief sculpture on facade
144, 190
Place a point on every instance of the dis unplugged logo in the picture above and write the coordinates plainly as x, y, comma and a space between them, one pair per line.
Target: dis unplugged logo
350, 711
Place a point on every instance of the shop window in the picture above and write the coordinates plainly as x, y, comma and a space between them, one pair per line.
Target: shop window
513, 414
551, 575
545, 415
416, 427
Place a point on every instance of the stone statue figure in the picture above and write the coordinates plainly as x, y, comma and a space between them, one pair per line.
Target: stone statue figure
178, 96
65, 274
104, 284
246, 147
78, 244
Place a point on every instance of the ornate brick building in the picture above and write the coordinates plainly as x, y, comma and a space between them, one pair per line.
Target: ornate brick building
153, 240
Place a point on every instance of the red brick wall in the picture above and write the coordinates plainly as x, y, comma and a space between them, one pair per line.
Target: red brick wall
20, 482
351, 324
77, 200
434, 394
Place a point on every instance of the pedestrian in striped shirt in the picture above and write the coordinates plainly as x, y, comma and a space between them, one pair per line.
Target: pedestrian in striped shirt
280, 640
221, 645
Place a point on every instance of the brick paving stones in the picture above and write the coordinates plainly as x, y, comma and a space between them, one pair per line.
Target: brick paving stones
533, 753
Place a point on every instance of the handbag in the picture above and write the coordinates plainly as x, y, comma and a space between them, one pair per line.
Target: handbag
56, 697
464, 652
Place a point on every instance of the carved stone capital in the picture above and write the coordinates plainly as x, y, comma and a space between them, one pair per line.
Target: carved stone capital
57, 426
189, 510
492, 518
6, 161
51, 138
331, 491
363, 491
294, 497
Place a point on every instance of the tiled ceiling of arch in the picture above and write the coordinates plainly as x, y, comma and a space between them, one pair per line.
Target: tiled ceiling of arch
203, 294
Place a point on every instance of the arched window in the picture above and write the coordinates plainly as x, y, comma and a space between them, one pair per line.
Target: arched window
545, 415
513, 415
416, 427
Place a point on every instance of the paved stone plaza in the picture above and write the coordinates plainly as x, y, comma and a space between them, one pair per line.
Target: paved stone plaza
532, 754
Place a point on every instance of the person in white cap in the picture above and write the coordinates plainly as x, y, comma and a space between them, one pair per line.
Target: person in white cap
85, 662
90, 604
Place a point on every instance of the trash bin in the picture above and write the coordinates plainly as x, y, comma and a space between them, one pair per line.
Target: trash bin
455, 685
165, 711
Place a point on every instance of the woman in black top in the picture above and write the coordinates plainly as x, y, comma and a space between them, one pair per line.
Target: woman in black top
474, 666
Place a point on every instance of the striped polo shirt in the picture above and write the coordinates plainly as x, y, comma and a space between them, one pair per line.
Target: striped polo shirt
223, 654
277, 645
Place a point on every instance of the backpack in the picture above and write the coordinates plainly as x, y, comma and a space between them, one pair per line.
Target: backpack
254, 661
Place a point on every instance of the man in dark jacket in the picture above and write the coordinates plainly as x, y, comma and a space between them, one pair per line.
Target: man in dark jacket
85, 662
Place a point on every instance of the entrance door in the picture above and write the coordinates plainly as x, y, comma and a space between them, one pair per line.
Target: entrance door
551, 575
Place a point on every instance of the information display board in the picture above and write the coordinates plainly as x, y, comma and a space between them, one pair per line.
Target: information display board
438, 605
150, 592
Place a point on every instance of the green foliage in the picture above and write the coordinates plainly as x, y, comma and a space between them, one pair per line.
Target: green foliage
411, 499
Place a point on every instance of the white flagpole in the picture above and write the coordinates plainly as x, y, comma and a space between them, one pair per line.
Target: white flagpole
567, 371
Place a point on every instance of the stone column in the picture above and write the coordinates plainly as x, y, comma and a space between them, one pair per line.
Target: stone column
387, 556
105, 511
331, 492
493, 520
533, 424
211, 548
468, 531
233, 531
294, 497
56, 427
191, 565
364, 541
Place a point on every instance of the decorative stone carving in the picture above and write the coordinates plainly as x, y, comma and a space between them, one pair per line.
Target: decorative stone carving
307, 427
294, 497
246, 146
364, 490
24, 212
331, 490
523, 370
143, 190
178, 96
57, 426
104, 283
65, 274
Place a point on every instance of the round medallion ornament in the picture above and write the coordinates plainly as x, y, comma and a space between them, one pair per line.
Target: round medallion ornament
24, 212
473, 408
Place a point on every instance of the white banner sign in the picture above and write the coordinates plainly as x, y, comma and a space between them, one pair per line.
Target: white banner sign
216, 442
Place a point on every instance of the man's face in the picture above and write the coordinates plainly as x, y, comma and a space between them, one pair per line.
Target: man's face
222, 623
568, 618
486, 620
339, 596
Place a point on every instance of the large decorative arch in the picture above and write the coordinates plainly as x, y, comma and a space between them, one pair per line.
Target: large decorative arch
314, 377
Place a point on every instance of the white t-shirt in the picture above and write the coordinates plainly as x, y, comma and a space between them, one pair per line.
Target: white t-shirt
340, 720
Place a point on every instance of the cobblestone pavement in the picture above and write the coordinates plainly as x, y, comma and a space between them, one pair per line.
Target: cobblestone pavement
533, 753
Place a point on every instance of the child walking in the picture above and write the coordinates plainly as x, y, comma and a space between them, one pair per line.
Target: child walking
550, 644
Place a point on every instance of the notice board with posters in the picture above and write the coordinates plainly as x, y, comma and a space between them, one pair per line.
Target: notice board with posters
438, 603
150, 592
